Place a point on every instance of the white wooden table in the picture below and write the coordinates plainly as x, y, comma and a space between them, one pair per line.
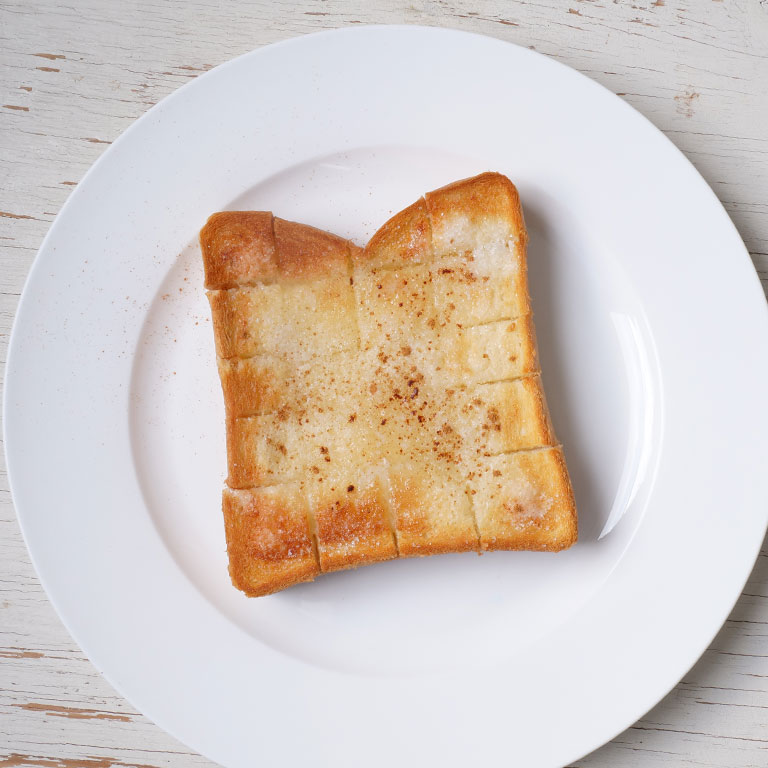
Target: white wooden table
74, 75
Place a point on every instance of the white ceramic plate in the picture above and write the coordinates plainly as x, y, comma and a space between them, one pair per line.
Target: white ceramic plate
649, 316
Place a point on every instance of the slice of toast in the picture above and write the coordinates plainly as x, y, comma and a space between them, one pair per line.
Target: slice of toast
382, 402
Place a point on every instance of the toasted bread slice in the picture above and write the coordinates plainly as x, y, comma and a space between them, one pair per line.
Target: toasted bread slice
268, 539
523, 500
382, 402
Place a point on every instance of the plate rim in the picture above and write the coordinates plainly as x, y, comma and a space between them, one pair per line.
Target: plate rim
104, 158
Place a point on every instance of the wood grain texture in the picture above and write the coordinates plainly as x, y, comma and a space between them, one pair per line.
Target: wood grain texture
74, 76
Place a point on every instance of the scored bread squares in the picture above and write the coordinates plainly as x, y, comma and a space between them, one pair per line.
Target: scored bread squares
446, 279
303, 492
381, 402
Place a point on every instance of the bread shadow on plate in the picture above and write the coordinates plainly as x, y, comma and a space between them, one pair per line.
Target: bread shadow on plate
551, 315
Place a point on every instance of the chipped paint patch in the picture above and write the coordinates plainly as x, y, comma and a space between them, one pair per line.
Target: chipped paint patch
76, 713
16, 759
14, 653
684, 102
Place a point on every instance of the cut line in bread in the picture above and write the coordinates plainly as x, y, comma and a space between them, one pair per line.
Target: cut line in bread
385, 401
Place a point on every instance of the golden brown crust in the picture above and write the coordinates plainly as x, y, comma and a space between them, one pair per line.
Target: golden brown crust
405, 239
383, 402
268, 539
530, 409
487, 197
238, 249
252, 386
243, 248
243, 318
528, 354
305, 253
468, 215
